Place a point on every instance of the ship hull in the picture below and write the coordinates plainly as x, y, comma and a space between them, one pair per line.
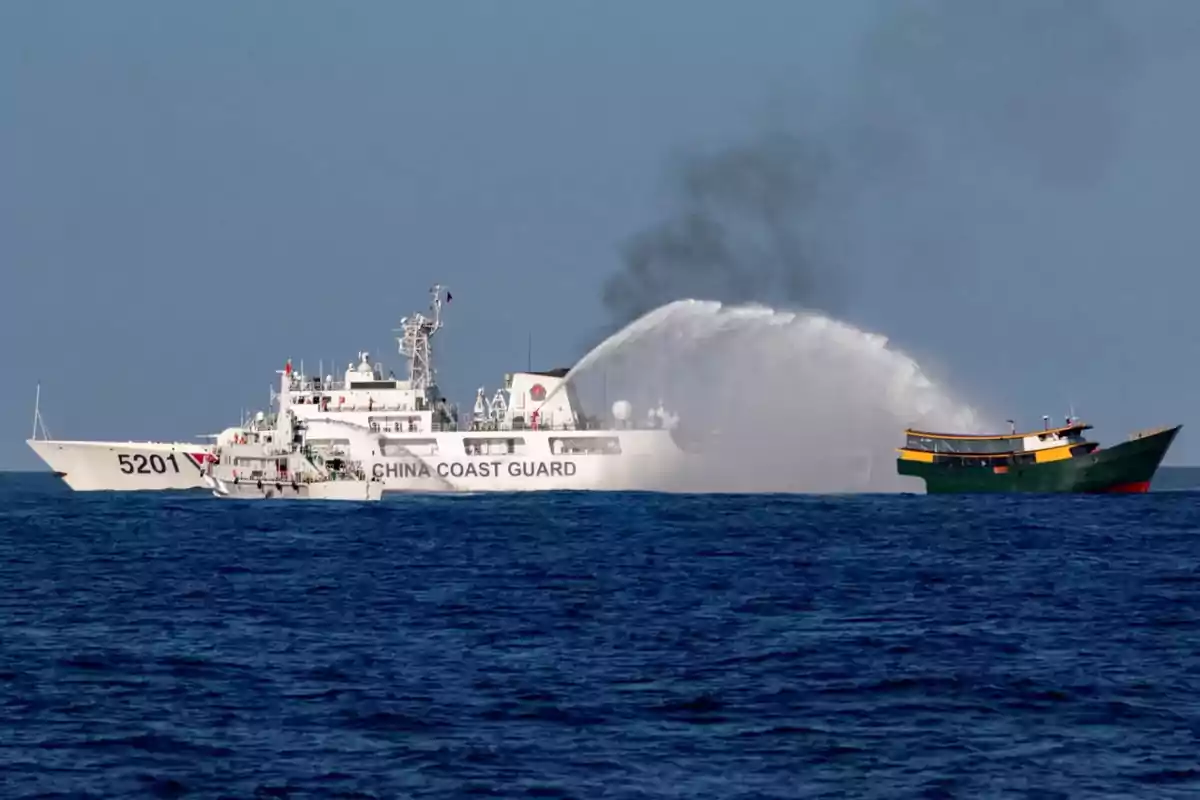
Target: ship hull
124, 466
397, 476
634, 472
1125, 468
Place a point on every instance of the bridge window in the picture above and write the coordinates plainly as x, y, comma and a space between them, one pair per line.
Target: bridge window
372, 385
395, 423
494, 445
585, 445
408, 446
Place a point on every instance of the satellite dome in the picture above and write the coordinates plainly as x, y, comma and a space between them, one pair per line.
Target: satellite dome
622, 410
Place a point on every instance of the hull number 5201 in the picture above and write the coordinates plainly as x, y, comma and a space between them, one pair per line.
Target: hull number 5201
142, 465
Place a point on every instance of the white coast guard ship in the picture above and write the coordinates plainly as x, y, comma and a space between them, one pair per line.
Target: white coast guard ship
367, 434
88, 466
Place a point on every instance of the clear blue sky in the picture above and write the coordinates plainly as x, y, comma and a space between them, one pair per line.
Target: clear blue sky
192, 192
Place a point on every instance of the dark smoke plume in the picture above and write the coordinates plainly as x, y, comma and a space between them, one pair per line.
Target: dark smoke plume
1030, 84
743, 231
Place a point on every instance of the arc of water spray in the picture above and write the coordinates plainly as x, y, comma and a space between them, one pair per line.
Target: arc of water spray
795, 400
631, 332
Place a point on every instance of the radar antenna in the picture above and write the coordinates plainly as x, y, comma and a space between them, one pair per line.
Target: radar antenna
415, 334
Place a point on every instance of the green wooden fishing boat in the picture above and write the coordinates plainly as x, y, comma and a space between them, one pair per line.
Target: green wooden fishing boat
1049, 460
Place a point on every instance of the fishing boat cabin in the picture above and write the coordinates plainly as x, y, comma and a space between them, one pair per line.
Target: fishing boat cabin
997, 450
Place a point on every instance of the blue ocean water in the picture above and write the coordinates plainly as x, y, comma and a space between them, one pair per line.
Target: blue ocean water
627, 646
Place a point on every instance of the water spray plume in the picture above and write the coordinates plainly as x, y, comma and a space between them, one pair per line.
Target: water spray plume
774, 401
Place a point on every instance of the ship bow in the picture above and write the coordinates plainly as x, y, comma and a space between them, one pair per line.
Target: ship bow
1129, 467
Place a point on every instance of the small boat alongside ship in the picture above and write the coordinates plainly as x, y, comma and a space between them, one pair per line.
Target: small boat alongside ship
1050, 460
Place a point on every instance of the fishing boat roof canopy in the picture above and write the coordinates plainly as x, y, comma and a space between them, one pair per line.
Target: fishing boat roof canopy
995, 444
1062, 431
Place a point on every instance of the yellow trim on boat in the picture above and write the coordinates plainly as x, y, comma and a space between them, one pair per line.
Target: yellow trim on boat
916, 455
1052, 454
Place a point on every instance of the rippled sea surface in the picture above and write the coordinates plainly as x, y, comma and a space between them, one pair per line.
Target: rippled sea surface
635, 646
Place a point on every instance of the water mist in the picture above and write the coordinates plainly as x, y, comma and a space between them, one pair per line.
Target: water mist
774, 401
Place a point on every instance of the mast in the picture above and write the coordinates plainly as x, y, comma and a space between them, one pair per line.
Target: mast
414, 342
38, 422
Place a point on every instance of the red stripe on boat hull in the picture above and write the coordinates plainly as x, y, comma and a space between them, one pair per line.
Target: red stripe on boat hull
1137, 487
